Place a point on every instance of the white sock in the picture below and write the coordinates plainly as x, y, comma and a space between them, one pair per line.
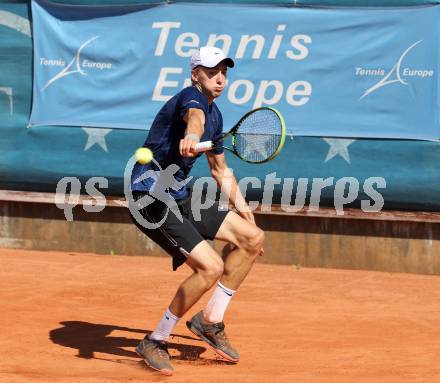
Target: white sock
217, 305
165, 327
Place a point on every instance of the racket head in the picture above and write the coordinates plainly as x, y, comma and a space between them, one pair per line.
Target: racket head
259, 136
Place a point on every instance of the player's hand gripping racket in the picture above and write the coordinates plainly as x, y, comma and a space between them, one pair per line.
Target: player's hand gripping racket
258, 137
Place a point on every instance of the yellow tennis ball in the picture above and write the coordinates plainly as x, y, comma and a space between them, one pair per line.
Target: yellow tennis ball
143, 155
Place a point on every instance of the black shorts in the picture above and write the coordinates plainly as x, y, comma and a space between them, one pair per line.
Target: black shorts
178, 238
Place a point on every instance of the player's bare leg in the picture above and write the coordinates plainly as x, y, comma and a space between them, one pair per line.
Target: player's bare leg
208, 268
248, 241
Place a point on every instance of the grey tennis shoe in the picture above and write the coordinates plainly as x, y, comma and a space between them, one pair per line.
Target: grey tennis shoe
155, 355
213, 334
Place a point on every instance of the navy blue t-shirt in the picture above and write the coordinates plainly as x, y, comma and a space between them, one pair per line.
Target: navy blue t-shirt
167, 130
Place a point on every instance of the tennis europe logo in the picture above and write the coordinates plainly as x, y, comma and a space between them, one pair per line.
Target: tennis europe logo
76, 65
399, 73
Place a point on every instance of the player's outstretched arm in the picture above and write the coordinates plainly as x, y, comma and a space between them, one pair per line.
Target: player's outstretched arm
228, 184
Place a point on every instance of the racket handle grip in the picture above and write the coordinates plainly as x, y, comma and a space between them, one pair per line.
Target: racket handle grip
203, 146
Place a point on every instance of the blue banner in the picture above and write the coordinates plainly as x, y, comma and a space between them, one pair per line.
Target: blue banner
342, 72
36, 159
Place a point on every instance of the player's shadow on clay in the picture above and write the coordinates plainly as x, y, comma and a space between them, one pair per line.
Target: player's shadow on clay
92, 338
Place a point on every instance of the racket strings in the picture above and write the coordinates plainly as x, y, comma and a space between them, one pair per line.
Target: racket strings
259, 136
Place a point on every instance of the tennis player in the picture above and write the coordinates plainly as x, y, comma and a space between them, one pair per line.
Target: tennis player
187, 118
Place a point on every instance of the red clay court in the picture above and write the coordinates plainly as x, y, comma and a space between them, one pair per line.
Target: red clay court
69, 317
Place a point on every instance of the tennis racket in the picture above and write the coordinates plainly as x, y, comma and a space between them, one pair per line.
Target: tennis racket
258, 137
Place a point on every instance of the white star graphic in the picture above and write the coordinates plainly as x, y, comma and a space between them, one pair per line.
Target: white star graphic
255, 143
8, 92
96, 136
338, 146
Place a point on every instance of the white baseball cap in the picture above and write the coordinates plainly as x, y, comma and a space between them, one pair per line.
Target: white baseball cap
209, 57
